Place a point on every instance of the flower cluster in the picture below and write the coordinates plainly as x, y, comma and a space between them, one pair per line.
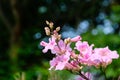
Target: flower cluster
74, 58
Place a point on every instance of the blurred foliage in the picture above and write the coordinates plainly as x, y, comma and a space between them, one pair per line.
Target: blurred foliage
22, 25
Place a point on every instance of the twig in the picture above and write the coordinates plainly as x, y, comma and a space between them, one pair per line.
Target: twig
83, 76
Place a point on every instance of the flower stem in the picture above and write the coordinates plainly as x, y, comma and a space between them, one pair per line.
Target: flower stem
104, 73
83, 76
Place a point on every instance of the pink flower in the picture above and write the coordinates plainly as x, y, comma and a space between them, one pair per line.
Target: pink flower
61, 48
103, 56
60, 61
85, 52
49, 45
83, 47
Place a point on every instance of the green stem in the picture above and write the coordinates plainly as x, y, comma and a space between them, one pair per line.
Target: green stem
103, 72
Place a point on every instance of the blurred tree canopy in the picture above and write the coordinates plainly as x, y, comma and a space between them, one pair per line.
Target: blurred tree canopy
22, 25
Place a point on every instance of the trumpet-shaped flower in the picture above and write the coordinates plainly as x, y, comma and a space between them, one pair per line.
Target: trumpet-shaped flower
49, 45
83, 47
60, 61
61, 48
85, 52
103, 56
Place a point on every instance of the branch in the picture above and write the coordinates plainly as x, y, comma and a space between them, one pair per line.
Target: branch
4, 19
15, 11
16, 27
83, 76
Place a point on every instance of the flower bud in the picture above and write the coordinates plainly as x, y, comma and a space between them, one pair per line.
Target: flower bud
47, 31
67, 40
51, 25
58, 29
47, 23
75, 39
59, 37
80, 67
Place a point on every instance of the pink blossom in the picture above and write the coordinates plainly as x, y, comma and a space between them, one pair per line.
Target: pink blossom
60, 61
73, 59
49, 45
103, 56
75, 39
61, 48
83, 47
85, 52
